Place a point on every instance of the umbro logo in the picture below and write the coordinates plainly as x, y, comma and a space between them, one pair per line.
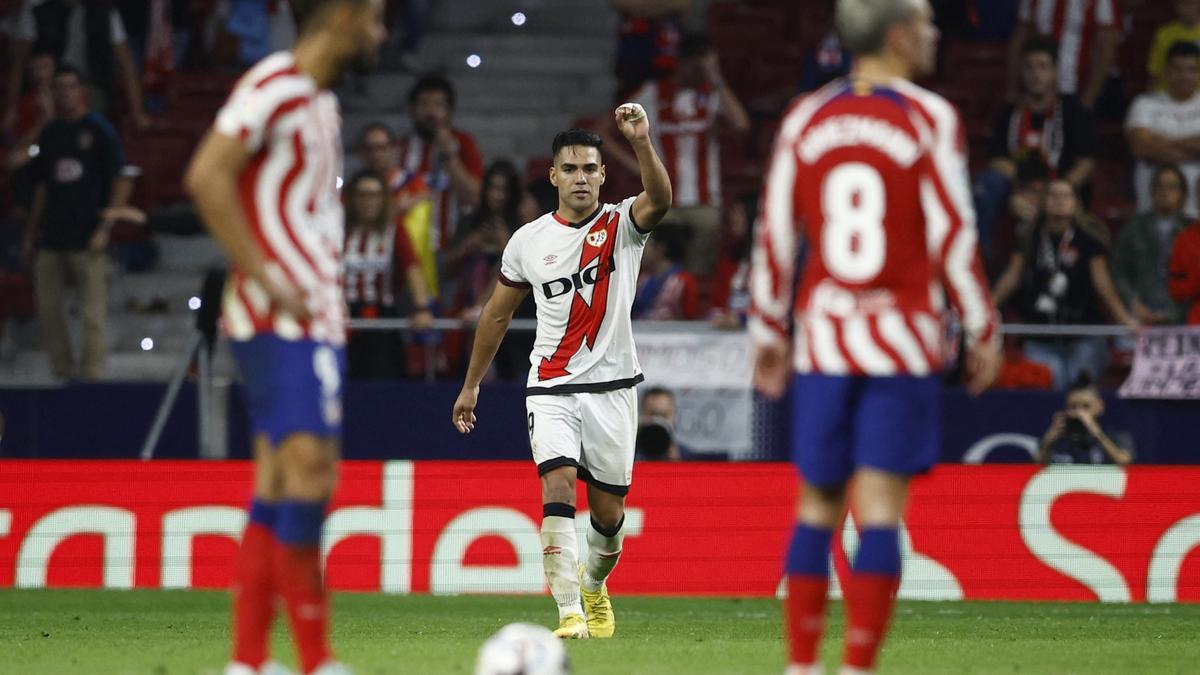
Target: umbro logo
550, 258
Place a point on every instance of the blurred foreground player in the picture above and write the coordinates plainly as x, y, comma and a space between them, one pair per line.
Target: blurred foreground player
581, 261
871, 171
265, 182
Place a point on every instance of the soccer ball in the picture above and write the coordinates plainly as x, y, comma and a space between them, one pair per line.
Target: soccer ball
523, 649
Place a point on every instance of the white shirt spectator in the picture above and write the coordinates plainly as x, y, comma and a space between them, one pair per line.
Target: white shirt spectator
1159, 113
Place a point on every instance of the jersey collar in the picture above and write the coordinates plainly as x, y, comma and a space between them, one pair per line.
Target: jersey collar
583, 223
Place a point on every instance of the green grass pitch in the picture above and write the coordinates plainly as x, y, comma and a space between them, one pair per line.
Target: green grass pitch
168, 632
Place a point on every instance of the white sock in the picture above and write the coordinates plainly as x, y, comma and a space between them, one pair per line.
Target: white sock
561, 562
602, 557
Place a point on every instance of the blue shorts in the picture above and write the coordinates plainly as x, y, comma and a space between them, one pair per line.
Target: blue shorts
292, 386
842, 423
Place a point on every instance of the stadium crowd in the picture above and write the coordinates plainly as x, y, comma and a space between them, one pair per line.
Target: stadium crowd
1083, 120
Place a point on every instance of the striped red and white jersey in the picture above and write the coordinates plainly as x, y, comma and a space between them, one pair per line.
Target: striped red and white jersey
683, 124
289, 195
1074, 24
418, 156
874, 179
375, 263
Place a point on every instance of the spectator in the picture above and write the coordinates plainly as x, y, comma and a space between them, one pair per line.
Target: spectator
35, 110
379, 263
1183, 281
76, 174
446, 158
1143, 252
647, 40
1086, 30
1076, 436
824, 63
411, 199
410, 23
665, 290
377, 149
474, 261
1164, 127
731, 286
1043, 125
1058, 272
1024, 207
89, 37
683, 111
1185, 28
481, 236
656, 427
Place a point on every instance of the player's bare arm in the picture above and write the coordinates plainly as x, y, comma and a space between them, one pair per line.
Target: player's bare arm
655, 200
211, 180
493, 324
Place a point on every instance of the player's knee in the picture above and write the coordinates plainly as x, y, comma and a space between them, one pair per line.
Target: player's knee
308, 467
608, 524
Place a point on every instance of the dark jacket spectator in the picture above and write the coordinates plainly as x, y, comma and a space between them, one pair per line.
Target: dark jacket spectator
77, 175
1076, 435
1142, 254
1058, 273
1044, 123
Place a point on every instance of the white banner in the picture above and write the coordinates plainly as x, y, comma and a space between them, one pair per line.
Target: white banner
709, 373
1166, 364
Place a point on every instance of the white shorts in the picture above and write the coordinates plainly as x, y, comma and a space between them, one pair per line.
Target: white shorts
594, 432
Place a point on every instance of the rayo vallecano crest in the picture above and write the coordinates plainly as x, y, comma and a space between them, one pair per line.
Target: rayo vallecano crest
597, 238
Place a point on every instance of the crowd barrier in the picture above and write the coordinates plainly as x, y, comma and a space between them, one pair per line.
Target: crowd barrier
999, 532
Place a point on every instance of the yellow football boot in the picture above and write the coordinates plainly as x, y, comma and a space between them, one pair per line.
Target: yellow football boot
600, 620
572, 627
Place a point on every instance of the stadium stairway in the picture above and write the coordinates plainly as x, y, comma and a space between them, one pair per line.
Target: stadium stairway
531, 81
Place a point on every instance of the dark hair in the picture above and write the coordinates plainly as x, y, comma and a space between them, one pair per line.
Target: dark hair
376, 126
1083, 382
308, 13
1185, 49
65, 69
431, 82
1176, 171
574, 137
693, 46
658, 391
352, 215
511, 212
1041, 44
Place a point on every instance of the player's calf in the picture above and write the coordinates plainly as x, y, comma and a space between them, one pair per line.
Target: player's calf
870, 595
560, 557
307, 464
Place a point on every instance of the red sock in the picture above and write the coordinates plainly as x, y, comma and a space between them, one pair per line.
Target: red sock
805, 616
869, 602
298, 569
253, 595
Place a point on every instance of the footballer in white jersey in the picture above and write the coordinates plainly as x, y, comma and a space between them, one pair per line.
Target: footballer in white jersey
581, 262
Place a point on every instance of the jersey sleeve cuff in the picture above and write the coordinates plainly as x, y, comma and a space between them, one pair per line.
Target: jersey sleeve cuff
512, 284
